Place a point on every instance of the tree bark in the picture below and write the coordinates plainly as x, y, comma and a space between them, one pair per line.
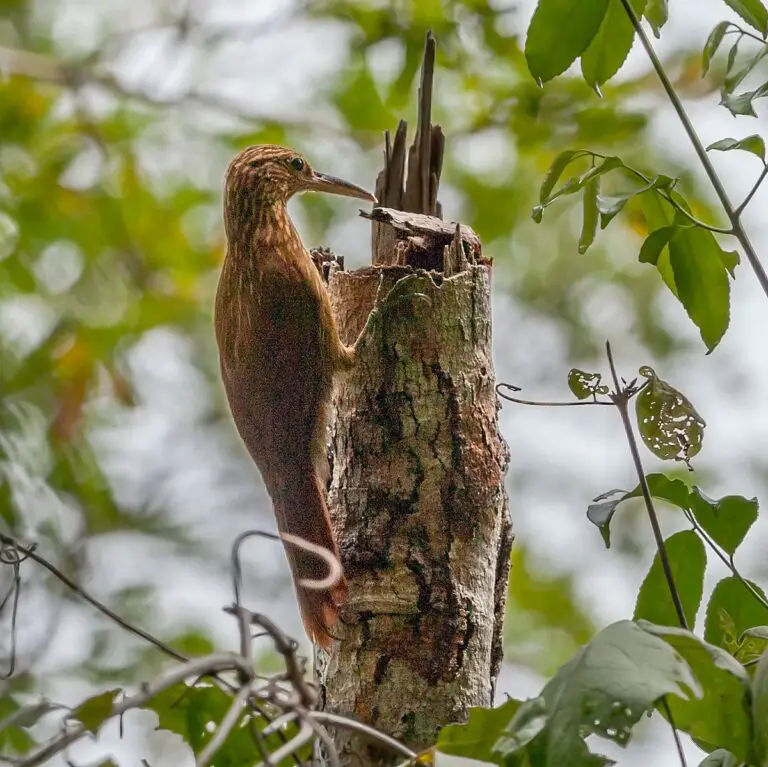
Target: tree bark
417, 495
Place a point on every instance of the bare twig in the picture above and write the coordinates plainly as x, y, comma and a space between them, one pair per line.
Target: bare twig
326, 717
538, 403
83, 594
207, 665
225, 727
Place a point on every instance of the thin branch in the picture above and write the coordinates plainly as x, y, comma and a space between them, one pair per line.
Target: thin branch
752, 191
83, 594
672, 201
207, 665
734, 217
621, 397
675, 733
579, 403
301, 738
13, 594
726, 559
225, 727
326, 717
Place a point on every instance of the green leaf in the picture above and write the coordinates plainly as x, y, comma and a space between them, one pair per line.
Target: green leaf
584, 385
556, 169
731, 259
688, 560
604, 689
529, 720
611, 45
713, 43
96, 710
589, 214
559, 32
753, 12
603, 507
760, 710
727, 521
702, 281
719, 758
753, 144
601, 511
14, 721
668, 422
357, 98
655, 243
657, 13
546, 606
741, 103
475, 739
187, 711
610, 207
732, 610
720, 716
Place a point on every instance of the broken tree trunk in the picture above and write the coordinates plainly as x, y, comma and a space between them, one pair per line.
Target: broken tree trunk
418, 466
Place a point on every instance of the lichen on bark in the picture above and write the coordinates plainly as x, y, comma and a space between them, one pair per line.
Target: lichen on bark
419, 508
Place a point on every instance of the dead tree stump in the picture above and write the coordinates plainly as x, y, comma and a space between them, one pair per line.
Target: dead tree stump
417, 469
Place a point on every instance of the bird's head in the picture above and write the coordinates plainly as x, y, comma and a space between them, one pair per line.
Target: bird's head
272, 174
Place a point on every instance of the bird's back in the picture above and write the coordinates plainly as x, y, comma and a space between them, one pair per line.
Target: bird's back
275, 362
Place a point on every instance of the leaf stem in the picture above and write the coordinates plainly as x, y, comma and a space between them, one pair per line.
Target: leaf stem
752, 191
664, 194
726, 559
732, 213
543, 404
621, 397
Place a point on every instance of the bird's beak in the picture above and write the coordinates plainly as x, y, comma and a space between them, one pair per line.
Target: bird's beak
319, 182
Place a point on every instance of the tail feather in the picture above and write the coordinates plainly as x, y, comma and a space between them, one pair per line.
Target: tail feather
301, 510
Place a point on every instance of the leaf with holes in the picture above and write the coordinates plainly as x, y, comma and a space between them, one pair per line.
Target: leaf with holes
668, 423
584, 385
604, 689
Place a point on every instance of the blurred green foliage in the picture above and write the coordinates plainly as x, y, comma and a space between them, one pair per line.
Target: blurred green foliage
101, 244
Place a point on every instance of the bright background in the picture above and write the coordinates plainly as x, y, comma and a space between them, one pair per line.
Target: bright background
117, 455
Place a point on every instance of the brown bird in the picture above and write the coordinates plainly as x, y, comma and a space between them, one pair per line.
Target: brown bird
279, 349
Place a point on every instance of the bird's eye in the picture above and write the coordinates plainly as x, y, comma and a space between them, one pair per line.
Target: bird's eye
297, 164
253, 164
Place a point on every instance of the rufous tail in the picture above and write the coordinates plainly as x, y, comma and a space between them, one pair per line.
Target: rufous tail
301, 510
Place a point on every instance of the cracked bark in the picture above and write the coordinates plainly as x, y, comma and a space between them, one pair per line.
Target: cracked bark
417, 494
